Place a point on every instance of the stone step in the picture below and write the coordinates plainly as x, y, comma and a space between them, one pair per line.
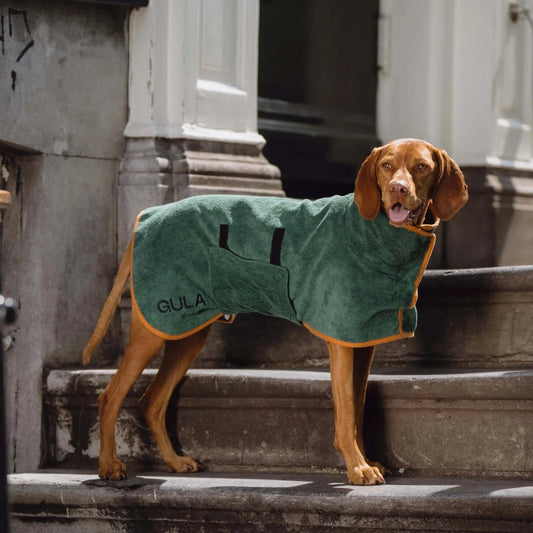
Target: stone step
59, 501
462, 424
471, 318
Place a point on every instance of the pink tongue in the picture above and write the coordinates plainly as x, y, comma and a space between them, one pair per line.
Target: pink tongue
398, 214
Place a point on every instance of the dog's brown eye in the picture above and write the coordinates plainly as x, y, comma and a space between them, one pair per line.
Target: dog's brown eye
421, 166
387, 165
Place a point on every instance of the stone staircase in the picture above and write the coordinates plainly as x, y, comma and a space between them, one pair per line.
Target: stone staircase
450, 413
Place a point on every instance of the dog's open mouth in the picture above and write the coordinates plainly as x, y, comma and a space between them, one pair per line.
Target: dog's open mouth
398, 214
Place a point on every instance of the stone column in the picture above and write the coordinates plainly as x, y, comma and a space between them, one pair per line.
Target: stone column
462, 80
192, 125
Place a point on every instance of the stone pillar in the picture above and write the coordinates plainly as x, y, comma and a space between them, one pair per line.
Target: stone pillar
192, 125
463, 81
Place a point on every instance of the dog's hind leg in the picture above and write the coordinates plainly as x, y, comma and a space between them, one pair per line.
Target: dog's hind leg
142, 346
179, 356
362, 362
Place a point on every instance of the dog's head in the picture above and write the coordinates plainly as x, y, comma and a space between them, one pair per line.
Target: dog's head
403, 177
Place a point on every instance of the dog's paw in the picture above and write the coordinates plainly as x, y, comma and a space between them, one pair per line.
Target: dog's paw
112, 470
379, 466
184, 464
366, 475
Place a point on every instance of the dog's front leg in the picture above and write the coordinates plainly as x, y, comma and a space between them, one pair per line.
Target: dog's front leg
348, 416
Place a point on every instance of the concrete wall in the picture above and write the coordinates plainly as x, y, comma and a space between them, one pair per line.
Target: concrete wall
63, 88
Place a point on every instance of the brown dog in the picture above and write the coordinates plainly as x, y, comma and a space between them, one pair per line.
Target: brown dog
401, 179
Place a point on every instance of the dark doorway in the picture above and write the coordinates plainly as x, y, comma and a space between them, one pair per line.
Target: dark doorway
317, 91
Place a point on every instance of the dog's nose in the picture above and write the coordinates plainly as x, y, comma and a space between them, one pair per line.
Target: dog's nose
399, 187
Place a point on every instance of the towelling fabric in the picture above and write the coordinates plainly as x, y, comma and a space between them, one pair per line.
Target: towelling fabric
317, 263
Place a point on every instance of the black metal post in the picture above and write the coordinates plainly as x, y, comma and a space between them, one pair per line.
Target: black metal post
7, 315
4, 517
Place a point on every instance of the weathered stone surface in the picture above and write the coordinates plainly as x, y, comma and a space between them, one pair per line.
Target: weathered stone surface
57, 261
64, 107
63, 77
471, 423
61, 501
495, 228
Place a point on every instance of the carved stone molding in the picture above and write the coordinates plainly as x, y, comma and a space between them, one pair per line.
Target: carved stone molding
209, 167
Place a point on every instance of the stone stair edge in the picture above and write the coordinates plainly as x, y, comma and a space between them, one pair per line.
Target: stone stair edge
475, 384
475, 498
490, 279
472, 424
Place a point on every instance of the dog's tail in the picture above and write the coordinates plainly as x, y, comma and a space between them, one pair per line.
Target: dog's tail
110, 305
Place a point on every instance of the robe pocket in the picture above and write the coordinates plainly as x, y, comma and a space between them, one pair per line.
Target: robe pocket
248, 286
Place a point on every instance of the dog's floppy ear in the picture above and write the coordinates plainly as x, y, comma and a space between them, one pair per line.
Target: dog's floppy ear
452, 192
367, 195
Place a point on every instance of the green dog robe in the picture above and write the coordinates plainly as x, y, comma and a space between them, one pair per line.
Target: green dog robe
317, 263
